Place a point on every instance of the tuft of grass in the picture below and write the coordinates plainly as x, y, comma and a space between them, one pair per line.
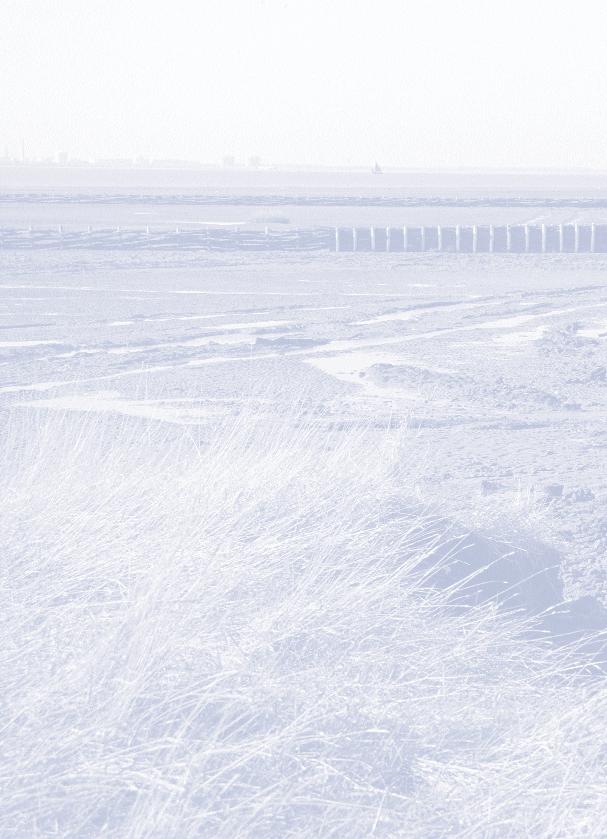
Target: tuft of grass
235, 632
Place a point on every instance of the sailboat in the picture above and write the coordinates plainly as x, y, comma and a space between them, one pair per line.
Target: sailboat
377, 170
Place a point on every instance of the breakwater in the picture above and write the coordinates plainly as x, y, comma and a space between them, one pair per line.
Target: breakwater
537, 239
488, 238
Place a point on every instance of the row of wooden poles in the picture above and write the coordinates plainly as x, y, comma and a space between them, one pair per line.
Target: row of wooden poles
224, 238
564, 238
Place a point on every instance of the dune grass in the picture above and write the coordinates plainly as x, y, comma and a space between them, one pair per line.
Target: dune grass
233, 631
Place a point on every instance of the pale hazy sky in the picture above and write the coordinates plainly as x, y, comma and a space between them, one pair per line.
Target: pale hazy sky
424, 84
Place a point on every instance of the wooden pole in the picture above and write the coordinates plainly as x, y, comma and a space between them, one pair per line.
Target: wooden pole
354, 239
475, 238
592, 238
561, 238
405, 238
388, 243
440, 237
544, 238
508, 238
336, 238
491, 238
372, 238
423, 231
458, 238
527, 240
576, 232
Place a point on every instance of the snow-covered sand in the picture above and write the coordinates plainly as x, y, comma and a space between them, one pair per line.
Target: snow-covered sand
499, 363
266, 517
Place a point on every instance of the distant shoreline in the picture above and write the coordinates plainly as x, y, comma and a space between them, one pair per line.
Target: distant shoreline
337, 183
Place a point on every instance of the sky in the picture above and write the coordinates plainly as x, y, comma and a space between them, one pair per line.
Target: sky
430, 85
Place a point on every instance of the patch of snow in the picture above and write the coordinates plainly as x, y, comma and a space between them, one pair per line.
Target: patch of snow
110, 402
351, 367
522, 337
597, 330
4, 345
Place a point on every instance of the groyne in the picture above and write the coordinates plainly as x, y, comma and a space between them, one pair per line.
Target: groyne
481, 238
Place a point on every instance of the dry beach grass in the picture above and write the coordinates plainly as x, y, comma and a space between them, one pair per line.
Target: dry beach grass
237, 631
